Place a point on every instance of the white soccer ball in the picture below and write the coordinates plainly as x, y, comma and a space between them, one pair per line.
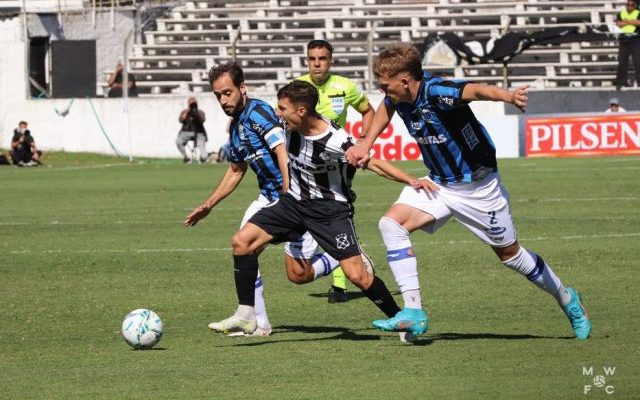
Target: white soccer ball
142, 329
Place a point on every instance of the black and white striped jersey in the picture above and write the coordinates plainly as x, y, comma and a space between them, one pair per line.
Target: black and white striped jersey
318, 168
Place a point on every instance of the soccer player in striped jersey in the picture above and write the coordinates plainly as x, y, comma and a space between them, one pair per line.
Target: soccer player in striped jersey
460, 156
257, 141
335, 95
319, 201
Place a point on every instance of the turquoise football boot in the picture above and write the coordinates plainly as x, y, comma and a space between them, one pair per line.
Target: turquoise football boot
411, 320
577, 315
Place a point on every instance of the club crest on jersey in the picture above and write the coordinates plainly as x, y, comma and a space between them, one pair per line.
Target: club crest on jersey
324, 156
417, 125
337, 104
342, 241
242, 133
427, 115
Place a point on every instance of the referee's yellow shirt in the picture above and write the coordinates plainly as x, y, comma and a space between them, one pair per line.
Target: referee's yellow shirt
336, 94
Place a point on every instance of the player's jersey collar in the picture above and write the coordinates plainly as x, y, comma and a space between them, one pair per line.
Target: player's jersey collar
246, 111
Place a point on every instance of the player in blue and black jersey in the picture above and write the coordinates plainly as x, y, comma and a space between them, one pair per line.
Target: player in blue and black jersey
257, 141
460, 156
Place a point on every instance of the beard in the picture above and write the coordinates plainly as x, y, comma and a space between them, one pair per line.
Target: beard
230, 111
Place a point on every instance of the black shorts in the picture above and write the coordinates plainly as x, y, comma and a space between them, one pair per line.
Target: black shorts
329, 222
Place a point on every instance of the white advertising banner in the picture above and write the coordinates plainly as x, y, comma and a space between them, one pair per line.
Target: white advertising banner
148, 127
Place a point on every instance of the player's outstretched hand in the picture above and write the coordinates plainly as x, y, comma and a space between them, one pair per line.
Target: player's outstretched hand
519, 97
196, 215
425, 184
357, 155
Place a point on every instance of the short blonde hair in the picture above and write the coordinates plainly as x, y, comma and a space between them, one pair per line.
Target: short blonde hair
398, 57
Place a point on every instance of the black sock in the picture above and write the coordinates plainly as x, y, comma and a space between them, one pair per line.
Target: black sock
245, 270
380, 296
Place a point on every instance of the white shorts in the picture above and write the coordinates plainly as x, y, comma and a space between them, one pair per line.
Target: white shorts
482, 207
305, 248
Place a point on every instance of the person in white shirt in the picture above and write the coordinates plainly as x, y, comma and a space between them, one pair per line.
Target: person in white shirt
614, 107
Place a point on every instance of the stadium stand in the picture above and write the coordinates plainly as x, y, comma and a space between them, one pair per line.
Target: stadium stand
271, 35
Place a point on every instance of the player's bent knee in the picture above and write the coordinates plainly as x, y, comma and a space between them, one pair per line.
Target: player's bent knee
357, 274
508, 252
297, 272
240, 245
391, 230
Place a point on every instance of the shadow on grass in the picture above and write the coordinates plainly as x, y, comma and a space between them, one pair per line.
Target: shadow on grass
353, 295
339, 333
501, 336
151, 349
347, 334
430, 339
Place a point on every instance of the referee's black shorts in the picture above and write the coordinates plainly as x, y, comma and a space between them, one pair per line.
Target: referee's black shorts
330, 223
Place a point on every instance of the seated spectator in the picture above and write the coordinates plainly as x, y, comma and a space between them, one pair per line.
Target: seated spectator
24, 151
192, 120
115, 82
614, 106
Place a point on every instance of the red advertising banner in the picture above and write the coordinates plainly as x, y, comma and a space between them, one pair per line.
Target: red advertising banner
570, 136
392, 144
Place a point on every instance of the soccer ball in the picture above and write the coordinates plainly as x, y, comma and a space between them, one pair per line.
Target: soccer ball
142, 329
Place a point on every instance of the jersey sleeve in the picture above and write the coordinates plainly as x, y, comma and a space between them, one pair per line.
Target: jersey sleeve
446, 94
356, 98
263, 120
234, 157
274, 137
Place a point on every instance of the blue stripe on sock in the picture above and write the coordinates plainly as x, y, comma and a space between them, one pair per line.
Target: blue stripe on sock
538, 270
259, 282
325, 262
400, 254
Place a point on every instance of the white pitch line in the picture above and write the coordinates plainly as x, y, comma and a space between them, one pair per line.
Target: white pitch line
566, 200
233, 209
80, 168
216, 249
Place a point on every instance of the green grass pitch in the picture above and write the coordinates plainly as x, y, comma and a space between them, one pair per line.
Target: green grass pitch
88, 238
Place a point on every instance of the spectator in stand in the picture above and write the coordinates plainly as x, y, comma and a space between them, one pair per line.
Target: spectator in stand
629, 43
115, 82
614, 106
24, 151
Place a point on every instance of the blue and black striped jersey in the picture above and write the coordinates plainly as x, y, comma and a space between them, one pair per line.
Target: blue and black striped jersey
455, 146
253, 135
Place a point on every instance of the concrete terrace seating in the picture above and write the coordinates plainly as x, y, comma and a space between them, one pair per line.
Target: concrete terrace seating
272, 35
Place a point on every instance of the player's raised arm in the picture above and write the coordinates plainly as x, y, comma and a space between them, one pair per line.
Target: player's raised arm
389, 171
359, 153
230, 180
517, 97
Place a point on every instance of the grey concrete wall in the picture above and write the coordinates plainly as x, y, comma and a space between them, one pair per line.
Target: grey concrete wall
555, 102
109, 36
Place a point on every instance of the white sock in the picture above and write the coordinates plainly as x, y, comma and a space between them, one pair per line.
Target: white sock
245, 312
402, 261
261, 310
323, 264
539, 273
